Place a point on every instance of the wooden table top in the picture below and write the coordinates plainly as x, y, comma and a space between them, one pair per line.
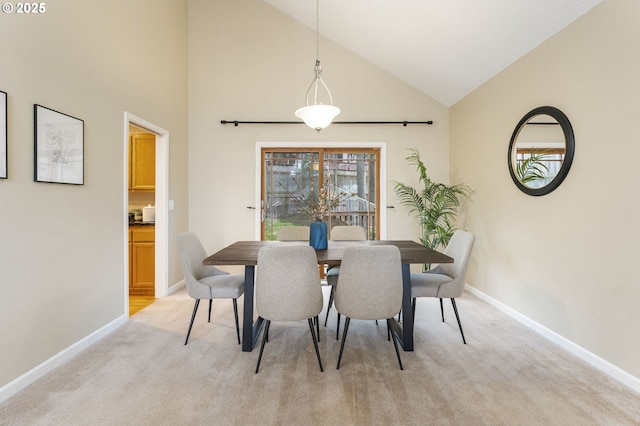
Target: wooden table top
246, 252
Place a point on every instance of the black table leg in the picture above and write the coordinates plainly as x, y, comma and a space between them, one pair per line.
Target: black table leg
249, 332
406, 338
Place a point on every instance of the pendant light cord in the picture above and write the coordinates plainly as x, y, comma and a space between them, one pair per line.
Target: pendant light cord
317, 30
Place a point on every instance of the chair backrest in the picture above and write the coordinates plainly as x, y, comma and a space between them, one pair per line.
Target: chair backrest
191, 256
288, 286
293, 233
348, 232
370, 282
459, 248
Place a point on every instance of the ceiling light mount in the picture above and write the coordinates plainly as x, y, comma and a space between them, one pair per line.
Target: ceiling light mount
318, 114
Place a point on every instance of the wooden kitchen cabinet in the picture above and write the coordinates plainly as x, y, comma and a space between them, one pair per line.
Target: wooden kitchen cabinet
142, 252
142, 162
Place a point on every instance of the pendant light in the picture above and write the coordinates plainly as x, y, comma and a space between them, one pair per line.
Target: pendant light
318, 115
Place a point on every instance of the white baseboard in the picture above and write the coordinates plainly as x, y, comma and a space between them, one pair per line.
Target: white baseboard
599, 363
57, 360
177, 286
60, 358
15, 386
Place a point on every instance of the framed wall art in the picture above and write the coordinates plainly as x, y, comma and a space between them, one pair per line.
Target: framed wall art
59, 147
3, 135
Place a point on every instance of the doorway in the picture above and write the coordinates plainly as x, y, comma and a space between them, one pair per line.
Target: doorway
160, 203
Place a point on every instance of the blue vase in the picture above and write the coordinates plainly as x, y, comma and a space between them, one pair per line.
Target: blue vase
318, 235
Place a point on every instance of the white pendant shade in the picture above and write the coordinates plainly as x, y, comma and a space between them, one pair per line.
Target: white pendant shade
318, 116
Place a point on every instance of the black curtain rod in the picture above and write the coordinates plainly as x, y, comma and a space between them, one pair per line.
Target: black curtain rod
404, 123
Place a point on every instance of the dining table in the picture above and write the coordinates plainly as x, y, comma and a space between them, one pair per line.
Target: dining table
245, 253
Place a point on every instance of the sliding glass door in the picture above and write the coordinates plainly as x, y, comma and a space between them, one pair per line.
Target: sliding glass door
291, 179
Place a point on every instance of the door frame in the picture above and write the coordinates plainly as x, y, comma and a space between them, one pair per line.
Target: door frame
161, 205
382, 146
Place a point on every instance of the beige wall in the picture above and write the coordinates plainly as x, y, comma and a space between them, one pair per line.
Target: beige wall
566, 260
249, 61
62, 246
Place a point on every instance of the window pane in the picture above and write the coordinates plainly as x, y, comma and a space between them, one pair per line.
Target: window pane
287, 176
354, 175
291, 180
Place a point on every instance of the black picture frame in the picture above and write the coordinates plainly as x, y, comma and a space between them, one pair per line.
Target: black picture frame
58, 147
4, 135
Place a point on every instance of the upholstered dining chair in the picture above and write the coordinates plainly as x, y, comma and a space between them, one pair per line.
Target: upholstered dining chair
446, 280
293, 233
288, 289
347, 233
370, 288
340, 233
205, 281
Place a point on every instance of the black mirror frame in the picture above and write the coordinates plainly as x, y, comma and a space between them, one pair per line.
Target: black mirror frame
569, 139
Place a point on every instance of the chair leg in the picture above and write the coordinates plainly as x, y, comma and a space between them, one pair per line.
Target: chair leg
316, 323
264, 340
344, 337
455, 309
331, 294
395, 343
442, 309
235, 313
210, 304
315, 341
193, 316
338, 327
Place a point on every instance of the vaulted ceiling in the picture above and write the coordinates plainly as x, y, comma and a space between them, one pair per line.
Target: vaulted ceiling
444, 48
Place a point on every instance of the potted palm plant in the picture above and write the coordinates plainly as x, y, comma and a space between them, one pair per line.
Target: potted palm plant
436, 205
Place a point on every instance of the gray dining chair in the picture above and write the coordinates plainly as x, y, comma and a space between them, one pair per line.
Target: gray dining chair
340, 233
370, 288
347, 233
446, 280
205, 281
288, 289
293, 233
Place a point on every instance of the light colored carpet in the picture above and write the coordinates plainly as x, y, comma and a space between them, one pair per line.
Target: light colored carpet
142, 374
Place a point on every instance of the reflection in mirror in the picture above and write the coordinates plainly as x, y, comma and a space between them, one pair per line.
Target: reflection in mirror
541, 151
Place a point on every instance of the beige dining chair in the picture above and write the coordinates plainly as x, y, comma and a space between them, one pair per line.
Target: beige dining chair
288, 289
293, 233
206, 281
340, 233
370, 288
446, 280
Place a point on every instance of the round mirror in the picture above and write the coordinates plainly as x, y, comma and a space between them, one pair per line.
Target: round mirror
541, 150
